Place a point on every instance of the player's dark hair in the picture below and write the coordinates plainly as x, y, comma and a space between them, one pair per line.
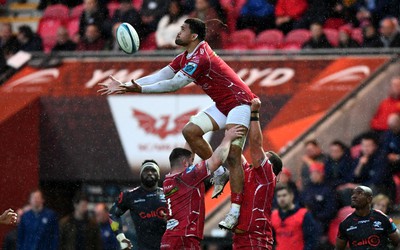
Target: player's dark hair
280, 187
177, 154
198, 27
150, 160
276, 162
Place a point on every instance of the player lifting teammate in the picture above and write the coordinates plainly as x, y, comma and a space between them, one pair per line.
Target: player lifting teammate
232, 97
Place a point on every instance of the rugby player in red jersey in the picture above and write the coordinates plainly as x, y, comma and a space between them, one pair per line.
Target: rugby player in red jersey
254, 230
232, 97
184, 191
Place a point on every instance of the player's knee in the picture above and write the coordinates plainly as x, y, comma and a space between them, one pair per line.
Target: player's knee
191, 131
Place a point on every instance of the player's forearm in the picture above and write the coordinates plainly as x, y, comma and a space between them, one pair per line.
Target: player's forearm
220, 154
115, 220
256, 140
163, 74
171, 85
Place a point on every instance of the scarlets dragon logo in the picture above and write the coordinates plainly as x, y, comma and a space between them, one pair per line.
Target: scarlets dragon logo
161, 126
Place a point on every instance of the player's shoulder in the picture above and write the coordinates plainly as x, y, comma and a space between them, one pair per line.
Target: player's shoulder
349, 217
379, 214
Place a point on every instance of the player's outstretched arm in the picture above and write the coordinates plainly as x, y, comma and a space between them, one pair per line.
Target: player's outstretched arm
395, 237
8, 217
221, 153
340, 244
257, 152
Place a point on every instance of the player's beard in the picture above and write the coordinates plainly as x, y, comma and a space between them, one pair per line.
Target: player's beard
149, 181
179, 42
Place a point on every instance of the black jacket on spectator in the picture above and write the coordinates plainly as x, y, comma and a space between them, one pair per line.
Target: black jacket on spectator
321, 43
372, 42
34, 44
393, 42
391, 145
98, 18
67, 46
10, 47
339, 172
131, 16
350, 44
3, 62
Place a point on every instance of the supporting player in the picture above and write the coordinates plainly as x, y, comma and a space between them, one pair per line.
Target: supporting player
254, 230
232, 97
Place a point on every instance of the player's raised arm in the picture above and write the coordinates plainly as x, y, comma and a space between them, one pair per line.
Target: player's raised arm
255, 135
116, 224
221, 153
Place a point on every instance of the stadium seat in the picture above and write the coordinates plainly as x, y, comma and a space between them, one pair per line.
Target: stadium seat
76, 12
357, 35
296, 38
240, 40
149, 43
56, 11
292, 46
47, 30
112, 7
272, 39
333, 36
73, 26
334, 23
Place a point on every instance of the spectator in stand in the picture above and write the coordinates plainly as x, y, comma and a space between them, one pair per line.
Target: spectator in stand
64, 43
205, 12
318, 39
285, 178
128, 14
151, 13
374, 10
390, 35
294, 227
92, 41
29, 41
170, 25
371, 168
107, 235
338, 164
391, 142
317, 12
313, 153
287, 12
345, 40
112, 43
3, 61
387, 106
371, 38
38, 228
8, 41
78, 231
93, 14
319, 197
256, 15
382, 203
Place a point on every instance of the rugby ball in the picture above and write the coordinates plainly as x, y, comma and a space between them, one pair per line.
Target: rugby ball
127, 38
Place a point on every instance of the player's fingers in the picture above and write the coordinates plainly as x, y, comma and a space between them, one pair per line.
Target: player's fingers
113, 78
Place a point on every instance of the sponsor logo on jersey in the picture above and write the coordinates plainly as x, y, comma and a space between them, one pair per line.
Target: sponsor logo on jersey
139, 200
190, 68
159, 213
172, 223
363, 221
172, 191
190, 169
372, 241
351, 228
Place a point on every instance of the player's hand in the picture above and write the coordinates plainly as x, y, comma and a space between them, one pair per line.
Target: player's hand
8, 217
132, 88
255, 104
124, 242
235, 132
113, 87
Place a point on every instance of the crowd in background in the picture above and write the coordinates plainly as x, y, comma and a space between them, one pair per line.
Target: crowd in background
92, 23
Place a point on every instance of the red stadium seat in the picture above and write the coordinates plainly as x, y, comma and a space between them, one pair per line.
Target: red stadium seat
334, 23
76, 12
241, 40
47, 30
112, 7
57, 11
357, 35
149, 43
269, 39
296, 38
73, 26
291, 46
333, 36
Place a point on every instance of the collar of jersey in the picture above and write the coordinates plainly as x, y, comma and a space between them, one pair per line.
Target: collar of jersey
191, 54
